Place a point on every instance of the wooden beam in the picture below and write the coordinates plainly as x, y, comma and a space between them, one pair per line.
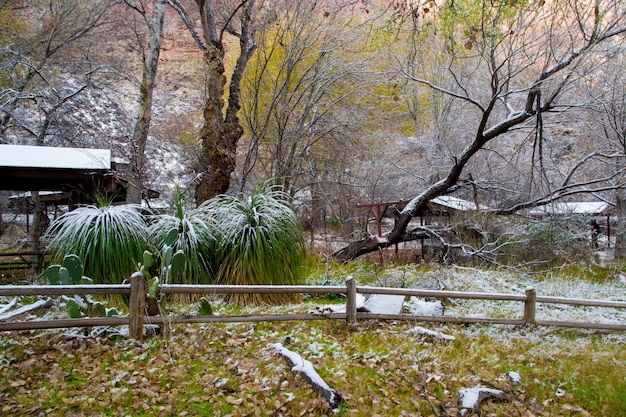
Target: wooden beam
136, 306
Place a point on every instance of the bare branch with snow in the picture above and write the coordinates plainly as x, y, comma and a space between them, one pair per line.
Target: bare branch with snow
305, 369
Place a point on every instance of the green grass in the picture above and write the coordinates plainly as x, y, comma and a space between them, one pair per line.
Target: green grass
227, 368
220, 369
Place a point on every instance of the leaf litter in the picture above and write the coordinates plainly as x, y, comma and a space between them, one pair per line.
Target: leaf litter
378, 368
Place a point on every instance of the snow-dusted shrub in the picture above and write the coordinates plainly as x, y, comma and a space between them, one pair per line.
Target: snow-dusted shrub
195, 239
259, 241
550, 241
109, 239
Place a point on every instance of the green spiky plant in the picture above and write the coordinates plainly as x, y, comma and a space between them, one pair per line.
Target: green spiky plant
195, 238
171, 264
109, 239
260, 243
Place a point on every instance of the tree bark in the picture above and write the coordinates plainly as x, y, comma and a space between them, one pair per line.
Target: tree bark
222, 129
144, 111
620, 229
219, 142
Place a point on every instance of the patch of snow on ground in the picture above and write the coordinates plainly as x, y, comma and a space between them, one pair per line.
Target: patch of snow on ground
424, 308
469, 279
419, 330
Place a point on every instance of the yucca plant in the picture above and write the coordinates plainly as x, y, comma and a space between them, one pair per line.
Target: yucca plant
109, 239
195, 238
260, 243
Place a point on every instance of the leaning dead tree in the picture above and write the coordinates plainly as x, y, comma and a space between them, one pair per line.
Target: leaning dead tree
512, 65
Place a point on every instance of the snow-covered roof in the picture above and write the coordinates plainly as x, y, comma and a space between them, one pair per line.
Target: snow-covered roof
20, 156
457, 203
579, 207
28, 194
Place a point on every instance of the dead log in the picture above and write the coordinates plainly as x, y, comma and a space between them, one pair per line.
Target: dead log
28, 309
470, 398
305, 369
421, 331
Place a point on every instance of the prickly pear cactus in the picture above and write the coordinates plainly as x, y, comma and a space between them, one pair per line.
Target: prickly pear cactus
71, 273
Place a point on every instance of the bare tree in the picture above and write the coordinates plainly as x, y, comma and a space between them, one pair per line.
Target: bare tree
42, 67
511, 65
45, 65
609, 123
300, 87
150, 60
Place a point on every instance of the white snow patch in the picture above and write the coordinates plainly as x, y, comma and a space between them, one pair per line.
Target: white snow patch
420, 307
384, 304
418, 330
23, 156
515, 377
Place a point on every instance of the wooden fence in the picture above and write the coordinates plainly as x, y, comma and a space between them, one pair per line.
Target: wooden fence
10, 261
136, 318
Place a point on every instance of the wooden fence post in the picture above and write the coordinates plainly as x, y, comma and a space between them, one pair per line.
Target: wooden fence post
350, 301
529, 306
136, 306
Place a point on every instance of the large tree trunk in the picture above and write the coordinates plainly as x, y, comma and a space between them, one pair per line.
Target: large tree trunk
219, 142
222, 129
144, 112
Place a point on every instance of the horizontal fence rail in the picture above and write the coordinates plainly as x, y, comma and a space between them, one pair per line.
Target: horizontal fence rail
137, 319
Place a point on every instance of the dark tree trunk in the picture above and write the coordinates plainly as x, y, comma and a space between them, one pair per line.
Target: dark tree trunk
222, 129
620, 229
219, 139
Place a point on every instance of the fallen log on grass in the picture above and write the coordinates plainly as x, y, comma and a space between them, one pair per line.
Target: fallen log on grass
421, 331
470, 398
305, 369
9, 306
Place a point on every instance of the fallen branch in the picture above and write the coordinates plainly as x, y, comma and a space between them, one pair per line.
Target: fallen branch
9, 306
418, 330
470, 398
305, 369
27, 309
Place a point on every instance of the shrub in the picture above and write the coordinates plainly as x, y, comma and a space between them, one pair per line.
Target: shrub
260, 242
549, 242
109, 239
195, 238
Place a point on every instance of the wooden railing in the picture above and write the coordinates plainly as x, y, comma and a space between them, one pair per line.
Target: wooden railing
21, 260
136, 318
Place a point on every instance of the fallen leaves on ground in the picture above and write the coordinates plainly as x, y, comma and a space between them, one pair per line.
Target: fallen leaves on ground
225, 369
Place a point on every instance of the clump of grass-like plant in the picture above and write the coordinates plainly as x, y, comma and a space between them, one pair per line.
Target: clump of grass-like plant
260, 243
109, 239
195, 239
